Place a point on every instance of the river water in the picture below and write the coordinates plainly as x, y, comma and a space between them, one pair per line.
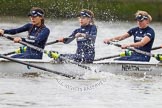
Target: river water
110, 91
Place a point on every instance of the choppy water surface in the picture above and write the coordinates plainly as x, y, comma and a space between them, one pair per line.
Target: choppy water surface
106, 91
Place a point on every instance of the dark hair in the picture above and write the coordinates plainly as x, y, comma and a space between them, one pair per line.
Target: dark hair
37, 9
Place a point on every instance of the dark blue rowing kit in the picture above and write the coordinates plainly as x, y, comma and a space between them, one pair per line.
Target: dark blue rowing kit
139, 34
37, 36
85, 45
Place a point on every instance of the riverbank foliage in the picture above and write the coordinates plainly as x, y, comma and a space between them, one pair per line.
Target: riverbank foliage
104, 9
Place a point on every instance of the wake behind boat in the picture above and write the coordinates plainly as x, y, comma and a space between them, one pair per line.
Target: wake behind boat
116, 67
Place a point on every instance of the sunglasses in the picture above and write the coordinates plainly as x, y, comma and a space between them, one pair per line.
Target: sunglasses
141, 18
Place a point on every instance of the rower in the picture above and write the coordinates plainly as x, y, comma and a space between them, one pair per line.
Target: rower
143, 38
85, 36
37, 34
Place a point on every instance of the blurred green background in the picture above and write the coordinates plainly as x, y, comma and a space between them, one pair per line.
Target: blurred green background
107, 10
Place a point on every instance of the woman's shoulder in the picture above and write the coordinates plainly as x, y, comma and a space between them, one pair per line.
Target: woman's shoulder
93, 26
26, 26
135, 28
150, 28
150, 31
45, 29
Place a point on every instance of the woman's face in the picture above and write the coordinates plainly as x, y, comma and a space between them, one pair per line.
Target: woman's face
84, 20
36, 20
143, 24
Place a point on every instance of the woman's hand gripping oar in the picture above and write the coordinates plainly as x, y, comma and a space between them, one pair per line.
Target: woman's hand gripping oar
54, 55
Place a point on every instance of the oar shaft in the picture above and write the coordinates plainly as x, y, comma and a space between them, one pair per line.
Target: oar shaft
56, 41
26, 44
135, 50
107, 57
49, 43
141, 52
13, 52
155, 48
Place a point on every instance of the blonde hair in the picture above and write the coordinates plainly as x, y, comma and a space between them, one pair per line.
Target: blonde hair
139, 12
91, 14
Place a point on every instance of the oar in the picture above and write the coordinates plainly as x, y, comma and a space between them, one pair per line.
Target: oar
155, 48
122, 54
35, 66
46, 52
130, 48
9, 53
56, 41
109, 57
49, 43
13, 52
136, 50
119, 55
53, 42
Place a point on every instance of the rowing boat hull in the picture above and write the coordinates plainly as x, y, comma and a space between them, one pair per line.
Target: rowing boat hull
131, 68
115, 67
9, 68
